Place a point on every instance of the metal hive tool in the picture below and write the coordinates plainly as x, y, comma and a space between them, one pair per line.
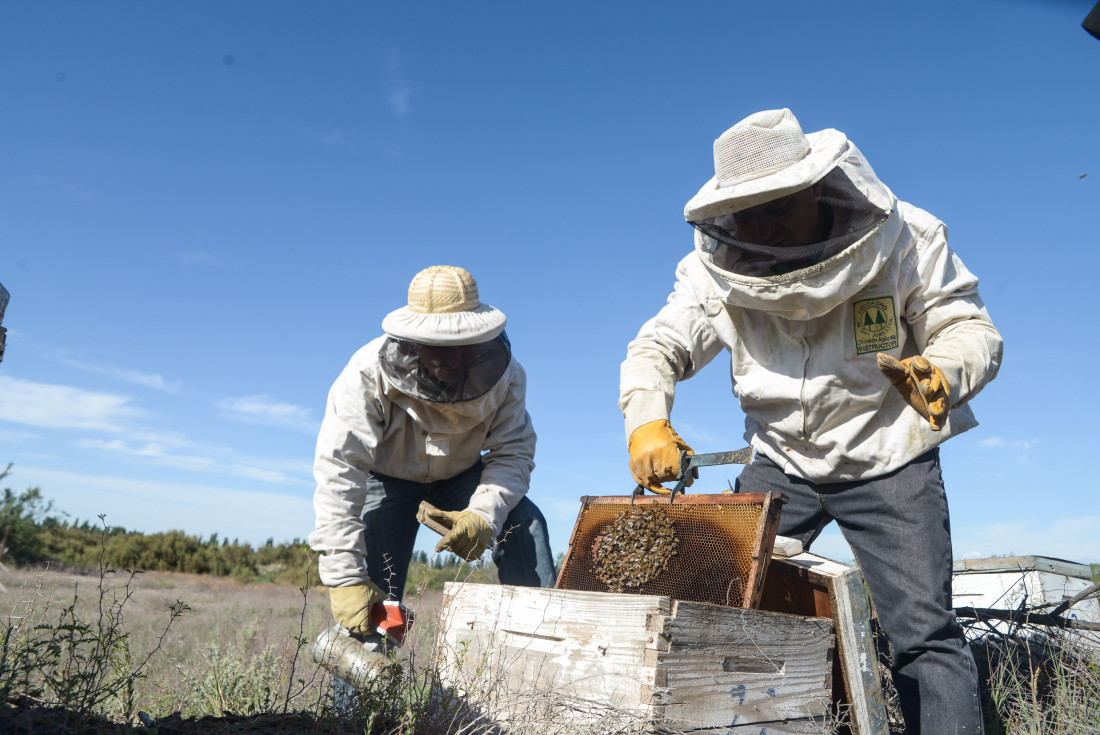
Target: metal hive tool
702, 548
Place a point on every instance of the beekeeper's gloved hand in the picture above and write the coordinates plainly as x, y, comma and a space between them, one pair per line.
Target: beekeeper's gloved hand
351, 605
469, 535
922, 384
655, 456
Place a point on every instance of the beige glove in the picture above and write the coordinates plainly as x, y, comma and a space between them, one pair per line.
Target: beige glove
922, 384
655, 456
468, 536
351, 605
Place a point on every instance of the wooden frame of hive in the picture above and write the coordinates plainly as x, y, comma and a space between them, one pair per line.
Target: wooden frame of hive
549, 661
726, 542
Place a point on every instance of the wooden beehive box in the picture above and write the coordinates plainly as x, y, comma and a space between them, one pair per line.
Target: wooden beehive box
551, 660
806, 584
1015, 582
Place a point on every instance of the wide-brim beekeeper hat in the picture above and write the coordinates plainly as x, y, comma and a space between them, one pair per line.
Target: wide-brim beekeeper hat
764, 157
444, 309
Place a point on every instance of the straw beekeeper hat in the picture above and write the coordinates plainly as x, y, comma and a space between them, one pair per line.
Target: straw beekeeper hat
764, 157
444, 309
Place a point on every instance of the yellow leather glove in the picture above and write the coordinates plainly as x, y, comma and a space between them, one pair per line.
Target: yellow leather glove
469, 535
922, 384
655, 456
351, 605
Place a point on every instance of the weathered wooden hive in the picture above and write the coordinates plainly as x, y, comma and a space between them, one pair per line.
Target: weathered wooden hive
549, 660
1016, 582
667, 616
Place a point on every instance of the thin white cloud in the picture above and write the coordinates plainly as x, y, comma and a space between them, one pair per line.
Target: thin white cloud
197, 256
79, 192
1001, 443
335, 137
155, 381
1074, 538
75, 191
209, 459
399, 95
261, 474
63, 407
264, 410
196, 508
152, 453
18, 435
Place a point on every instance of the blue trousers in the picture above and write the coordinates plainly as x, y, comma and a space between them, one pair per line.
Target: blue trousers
900, 533
522, 550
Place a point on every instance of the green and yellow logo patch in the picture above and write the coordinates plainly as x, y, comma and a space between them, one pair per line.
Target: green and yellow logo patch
876, 325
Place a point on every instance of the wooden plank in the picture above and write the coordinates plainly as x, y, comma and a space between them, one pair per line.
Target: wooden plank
761, 553
859, 655
1022, 564
518, 638
809, 584
739, 666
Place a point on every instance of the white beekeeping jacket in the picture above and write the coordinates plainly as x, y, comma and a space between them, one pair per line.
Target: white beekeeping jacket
802, 345
371, 425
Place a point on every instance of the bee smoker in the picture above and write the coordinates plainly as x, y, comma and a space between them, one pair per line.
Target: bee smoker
358, 659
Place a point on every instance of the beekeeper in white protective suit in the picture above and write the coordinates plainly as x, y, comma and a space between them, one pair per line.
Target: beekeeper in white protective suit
434, 410
856, 339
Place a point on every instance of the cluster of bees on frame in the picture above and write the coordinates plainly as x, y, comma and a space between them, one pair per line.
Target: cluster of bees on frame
634, 548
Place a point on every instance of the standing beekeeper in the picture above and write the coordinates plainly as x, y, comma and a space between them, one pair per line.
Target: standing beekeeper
856, 340
433, 410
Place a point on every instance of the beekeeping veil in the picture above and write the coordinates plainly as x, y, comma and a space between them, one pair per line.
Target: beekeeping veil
445, 345
764, 163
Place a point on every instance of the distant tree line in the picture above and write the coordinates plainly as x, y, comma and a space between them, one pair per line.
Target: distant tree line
31, 532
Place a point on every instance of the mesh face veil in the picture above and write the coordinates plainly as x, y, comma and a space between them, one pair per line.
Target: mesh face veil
770, 240
445, 374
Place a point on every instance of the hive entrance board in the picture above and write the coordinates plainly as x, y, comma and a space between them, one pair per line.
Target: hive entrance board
702, 548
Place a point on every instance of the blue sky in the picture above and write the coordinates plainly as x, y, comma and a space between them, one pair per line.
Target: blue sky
207, 207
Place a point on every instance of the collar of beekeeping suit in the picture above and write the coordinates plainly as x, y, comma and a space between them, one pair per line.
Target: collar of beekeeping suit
764, 157
444, 309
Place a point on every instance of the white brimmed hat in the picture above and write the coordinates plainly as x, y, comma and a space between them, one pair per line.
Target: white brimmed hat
764, 157
444, 309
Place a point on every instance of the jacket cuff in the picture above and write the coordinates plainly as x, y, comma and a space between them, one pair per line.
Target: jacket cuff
491, 510
342, 569
645, 407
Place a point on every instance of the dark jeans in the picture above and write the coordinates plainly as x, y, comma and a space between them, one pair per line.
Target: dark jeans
521, 553
899, 531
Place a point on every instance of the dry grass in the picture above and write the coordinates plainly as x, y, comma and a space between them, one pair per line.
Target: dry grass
238, 650
234, 636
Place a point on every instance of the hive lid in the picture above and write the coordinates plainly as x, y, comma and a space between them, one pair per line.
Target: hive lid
1023, 564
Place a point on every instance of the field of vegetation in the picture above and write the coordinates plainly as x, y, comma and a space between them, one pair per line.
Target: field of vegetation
215, 636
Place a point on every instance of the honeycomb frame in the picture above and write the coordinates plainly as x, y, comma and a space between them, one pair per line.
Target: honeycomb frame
725, 545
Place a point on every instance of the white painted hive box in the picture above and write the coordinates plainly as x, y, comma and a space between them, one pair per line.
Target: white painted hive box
1009, 583
547, 660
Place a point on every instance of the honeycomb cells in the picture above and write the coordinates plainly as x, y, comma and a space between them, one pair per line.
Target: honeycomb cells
706, 556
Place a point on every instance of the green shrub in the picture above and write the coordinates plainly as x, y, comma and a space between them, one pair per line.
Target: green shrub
82, 665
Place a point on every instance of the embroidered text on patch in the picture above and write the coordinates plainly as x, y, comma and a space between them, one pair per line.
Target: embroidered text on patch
876, 325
